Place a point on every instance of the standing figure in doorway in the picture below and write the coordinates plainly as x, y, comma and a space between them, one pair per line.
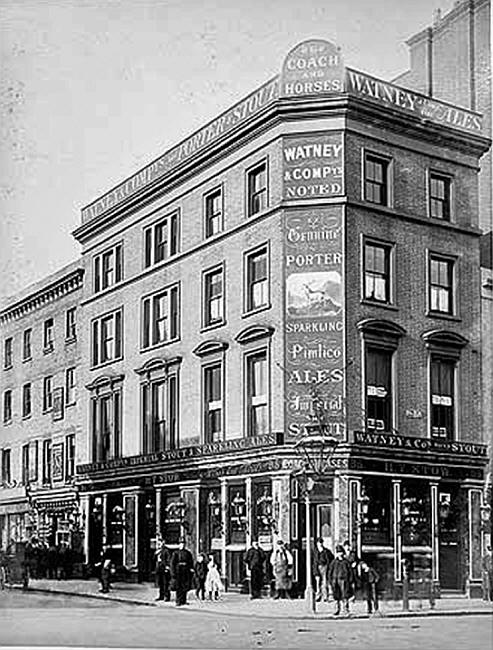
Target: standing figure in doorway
255, 561
181, 572
322, 558
163, 563
282, 565
200, 576
341, 579
369, 580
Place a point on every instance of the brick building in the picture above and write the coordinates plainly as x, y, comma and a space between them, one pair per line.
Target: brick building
40, 394
304, 259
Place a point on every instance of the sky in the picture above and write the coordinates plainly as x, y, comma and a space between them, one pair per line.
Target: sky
92, 91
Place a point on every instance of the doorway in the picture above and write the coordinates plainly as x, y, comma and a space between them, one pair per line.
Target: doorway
449, 534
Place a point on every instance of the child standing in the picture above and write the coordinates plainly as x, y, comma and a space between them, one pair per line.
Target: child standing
369, 579
200, 570
213, 583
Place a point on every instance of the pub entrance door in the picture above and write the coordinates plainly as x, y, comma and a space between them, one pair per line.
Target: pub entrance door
449, 532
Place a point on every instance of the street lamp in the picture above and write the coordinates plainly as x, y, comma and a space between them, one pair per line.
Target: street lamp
316, 449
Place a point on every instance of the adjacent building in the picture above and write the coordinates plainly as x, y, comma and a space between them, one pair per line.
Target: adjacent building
304, 260
40, 401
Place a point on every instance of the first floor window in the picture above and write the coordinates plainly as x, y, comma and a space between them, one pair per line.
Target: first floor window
257, 281
376, 172
7, 406
70, 456
442, 384
161, 240
6, 467
379, 389
257, 393
439, 196
25, 464
377, 272
47, 461
213, 402
160, 318
7, 355
257, 189
214, 297
441, 296
159, 410
26, 400
47, 393
106, 425
70, 386
107, 338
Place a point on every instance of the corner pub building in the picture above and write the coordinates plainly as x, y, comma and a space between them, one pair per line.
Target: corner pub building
314, 249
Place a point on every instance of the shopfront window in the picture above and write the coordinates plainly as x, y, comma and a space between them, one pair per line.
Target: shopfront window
237, 514
264, 515
376, 512
415, 513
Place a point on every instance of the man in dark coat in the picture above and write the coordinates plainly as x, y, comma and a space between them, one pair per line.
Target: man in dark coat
369, 579
181, 572
163, 577
353, 559
341, 578
322, 558
255, 561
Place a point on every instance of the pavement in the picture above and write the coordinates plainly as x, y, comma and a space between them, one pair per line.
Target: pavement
235, 604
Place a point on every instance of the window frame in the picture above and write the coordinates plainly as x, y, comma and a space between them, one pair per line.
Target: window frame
27, 337
70, 387
47, 469
206, 367
206, 198
436, 174
452, 261
114, 394
27, 390
151, 298
118, 337
207, 322
69, 459
382, 349
249, 173
47, 403
99, 285
70, 324
7, 397
390, 249
48, 341
247, 357
452, 361
25, 462
248, 309
6, 468
8, 353
151, 262
388, 185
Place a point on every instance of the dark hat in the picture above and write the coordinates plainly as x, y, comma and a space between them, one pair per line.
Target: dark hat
339, 549
320, 540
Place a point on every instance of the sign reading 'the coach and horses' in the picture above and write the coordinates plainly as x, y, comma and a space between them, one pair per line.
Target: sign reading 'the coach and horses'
312, 67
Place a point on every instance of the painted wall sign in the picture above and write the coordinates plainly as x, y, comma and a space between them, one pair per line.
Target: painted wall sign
387, 94
226, 122
312, 67
314, 338
57, 462
313, 166
58, 404
419, 444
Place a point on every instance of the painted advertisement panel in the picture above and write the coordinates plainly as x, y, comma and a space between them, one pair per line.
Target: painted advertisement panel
314, 320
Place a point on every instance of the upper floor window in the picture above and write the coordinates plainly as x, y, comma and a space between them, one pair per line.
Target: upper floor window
257, 393
7, 354
213, 206
26, 345
70, 324
378, 373
160, 409
108, 268
213, 296
213, 402
377, 285
7, 406
161, 240
47, 462
257, 189
376, 179
160, 317
441, 284
442, 387
257, 279
106, 417
6, 467
25, 464
48, 335
26, 400
107, 338
70, 386
439, 196
47, 393
70, 456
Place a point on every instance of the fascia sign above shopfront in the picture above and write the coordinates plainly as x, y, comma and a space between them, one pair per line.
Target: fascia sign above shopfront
313, 68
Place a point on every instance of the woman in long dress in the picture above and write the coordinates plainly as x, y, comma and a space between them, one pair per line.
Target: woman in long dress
282, 567
213, 582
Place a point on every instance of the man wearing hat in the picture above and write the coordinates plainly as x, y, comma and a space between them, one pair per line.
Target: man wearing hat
341, 578
181, 572
163, 559
322, 559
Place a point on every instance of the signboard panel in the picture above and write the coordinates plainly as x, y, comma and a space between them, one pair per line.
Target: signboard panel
314, 319
313, 166
312, 67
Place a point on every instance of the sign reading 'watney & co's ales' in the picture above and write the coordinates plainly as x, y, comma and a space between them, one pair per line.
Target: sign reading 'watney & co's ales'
312, 67
314, 336
313, 166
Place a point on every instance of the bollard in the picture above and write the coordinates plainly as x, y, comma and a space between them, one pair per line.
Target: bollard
405, 587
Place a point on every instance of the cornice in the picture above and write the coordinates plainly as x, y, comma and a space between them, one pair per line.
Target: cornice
43, 296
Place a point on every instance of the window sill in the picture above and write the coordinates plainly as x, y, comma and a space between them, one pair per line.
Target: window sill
375, 303
444, 316
257, 310
105, 363
156, 346
213, 326
6, 423
8, 367
71, 340
259, 213
48, 410
48, 350
27, 417
69, 404
27, 359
